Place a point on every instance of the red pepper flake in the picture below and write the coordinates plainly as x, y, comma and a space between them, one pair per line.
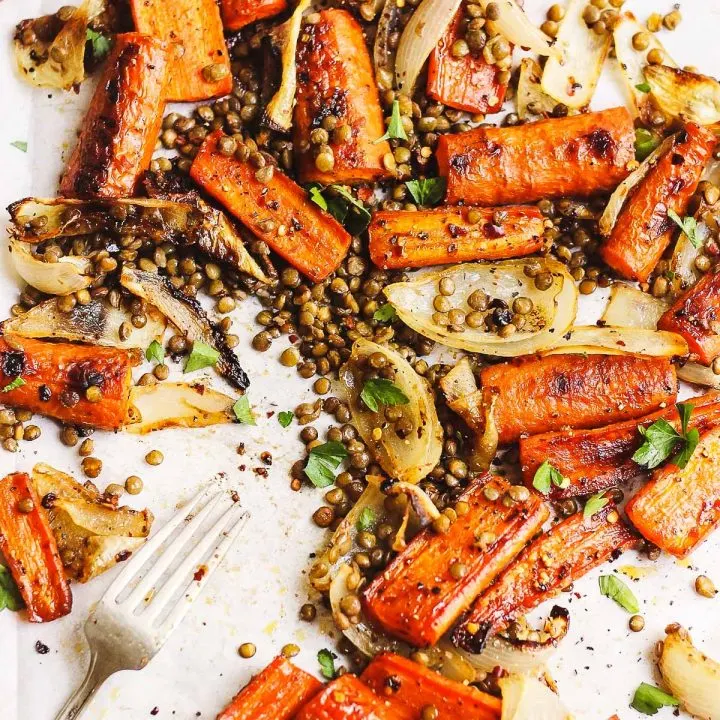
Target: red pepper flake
200, 573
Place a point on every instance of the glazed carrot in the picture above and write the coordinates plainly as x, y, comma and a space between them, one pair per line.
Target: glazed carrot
335, 78
415, 687
278, 211
540, 394
403, 238
56, 376
276, 693
417, 599
643, 230
121, 126
576, 156
594, 460
696, 316
29, 547
347, 698
465, 83
193, 29
237, 14
557, 558
678, 509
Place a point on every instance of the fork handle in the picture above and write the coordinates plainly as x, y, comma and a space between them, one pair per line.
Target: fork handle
97, 673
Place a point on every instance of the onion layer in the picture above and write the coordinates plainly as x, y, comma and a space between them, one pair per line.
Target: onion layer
635, 340
684, 95
383, 52
64, 277
515, 26
699, 375
526, 698
630, 307
531, 100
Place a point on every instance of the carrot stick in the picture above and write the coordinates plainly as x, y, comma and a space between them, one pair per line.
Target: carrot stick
277, 211
403, 238
678, 509
121, 126
193, 27
576, 156
52, 379
29, 546
557, 558
594, 460
415, 687
465, 83
540, 394
643, 230
236, 14
275, 693
335, 79
696, 316
416, 597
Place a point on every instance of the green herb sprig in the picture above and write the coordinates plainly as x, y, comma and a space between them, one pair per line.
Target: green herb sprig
661, 440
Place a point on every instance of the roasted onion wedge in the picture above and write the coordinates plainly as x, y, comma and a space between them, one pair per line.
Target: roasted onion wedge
527, 698
635, 340
630, 307
531, 99
684, 95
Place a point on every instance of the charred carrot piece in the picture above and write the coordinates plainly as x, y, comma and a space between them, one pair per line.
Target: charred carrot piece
194, 31
414, 687
679, 508
347, 698
696, 316
277, 211
540, 394
402, 238
557, 558
275, 693
29, 547
53, 379
121, 126
335, 77
465, 83
576, 156
594, 460
237, 14
417, 599
643, 230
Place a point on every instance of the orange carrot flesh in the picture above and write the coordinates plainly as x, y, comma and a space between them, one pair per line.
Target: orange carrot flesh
414, 687
237, 14
276, 693
465, 83
417, 599
643, 230
402, 238
193, 29
679, 508
121, 126
541, 394
278, 211
557, 558
696, 316
335, 77
29, 547
56, 376
576, 156
594, 460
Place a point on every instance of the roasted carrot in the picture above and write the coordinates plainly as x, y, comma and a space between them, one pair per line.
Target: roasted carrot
237, 14
594, 460
414, 687
335, 78
416, 597
557, 558
679, 508
696, 316
643, 230
52, 379
277, 211
540, 394
403, 238
276, 693
193, 30
121, 126
465, 83
576, 156
29, 547
347, 698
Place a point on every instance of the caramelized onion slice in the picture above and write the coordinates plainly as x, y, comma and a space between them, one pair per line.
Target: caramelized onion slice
383, 49
630, 307
531, 99
683, 95
527, 698
699, 375
635, 340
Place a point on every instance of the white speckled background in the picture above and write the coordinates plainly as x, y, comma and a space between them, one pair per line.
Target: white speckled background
256, 594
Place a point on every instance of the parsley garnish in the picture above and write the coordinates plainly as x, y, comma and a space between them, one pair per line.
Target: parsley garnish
10, 597
645, 143
648, 699
202, 356
21, 145
546, 476
595, 503
285, 418
323, 461
395, 130
661, 440
100, 44
18, 382
345, 208
614, 588
643, 87
428, 191
243, 411
688, 225
366, 519
155, 352
385, 313
382, 392
327, 663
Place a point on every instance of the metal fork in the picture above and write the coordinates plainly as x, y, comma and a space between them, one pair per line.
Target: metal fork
136, 615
